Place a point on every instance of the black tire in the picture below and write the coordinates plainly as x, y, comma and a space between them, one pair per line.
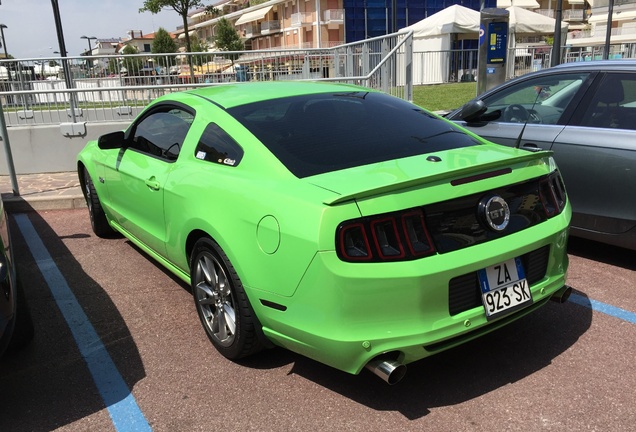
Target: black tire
221, 302
99, 223
23, 331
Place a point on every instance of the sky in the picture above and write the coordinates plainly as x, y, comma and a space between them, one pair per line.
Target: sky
31, 31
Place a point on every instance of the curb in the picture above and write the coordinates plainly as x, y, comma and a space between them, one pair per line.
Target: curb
18, 204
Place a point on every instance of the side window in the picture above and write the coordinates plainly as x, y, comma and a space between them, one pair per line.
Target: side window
539, 100
613, 104
218, 147
162, 132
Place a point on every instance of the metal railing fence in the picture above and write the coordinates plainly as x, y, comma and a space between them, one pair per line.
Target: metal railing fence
440, 67
115, 87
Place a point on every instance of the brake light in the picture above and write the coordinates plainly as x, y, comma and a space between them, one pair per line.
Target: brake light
386, 238
418, 238
354, 243
398, 236
552, 194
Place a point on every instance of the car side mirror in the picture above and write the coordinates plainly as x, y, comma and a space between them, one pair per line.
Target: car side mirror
113, 140
472, 111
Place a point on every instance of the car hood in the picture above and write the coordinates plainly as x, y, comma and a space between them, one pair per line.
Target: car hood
394, 175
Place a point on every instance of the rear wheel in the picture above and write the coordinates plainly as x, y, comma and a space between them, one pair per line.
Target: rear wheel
221, 303
99, 223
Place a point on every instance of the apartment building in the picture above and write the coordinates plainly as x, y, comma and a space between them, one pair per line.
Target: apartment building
594, 31
290, 24
277, 24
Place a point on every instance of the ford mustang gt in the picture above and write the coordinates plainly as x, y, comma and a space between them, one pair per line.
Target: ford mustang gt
341, 223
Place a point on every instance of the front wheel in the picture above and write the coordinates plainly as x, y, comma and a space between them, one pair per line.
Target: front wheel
221, 302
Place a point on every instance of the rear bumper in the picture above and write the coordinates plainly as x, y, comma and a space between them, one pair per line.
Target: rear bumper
345, 314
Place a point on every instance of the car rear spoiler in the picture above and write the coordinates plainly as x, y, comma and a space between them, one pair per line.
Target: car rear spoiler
488, 170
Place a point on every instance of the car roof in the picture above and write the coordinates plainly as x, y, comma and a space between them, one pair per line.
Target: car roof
231, 95
583, 66
597, 65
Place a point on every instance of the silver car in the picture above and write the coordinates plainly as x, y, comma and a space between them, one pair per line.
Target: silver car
16, 325
586, 113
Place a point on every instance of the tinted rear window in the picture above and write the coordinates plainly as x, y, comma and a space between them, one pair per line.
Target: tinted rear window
314, 134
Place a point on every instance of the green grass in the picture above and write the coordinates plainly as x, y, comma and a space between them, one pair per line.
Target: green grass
444, 97
433, 97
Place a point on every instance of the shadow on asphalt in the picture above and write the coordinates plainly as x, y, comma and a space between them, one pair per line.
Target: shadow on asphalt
452, 377
48, 384
455, 376
601, 252
495, 360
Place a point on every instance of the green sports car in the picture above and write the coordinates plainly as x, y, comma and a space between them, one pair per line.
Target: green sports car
341, 223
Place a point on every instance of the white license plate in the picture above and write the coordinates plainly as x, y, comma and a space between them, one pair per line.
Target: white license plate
504, 288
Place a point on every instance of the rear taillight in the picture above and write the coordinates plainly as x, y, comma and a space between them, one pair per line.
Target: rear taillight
354, 242
552, 194
390, 237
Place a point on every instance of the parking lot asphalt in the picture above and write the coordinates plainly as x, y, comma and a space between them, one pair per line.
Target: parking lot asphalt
567, 367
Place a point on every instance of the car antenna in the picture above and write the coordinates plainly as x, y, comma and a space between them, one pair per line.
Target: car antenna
539, 90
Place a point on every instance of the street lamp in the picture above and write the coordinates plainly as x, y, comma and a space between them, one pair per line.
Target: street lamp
90, 50
4, 45
88, 39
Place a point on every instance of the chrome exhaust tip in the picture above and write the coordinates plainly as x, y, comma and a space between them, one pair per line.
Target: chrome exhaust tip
562, 295
390, 371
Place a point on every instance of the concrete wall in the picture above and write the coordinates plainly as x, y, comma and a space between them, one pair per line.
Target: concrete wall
46, 149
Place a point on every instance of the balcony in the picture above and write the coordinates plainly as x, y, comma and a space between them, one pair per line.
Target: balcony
268, 27
596, 36
334, 18
302, 19
545, 12
251, 30
576, 15
600, 31
605, 3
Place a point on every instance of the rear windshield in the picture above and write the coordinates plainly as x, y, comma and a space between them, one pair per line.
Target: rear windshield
319, 133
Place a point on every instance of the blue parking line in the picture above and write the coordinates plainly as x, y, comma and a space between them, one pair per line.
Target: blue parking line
119, 401
598, 306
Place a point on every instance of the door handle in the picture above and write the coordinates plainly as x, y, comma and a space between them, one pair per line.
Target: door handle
531, 147
153, 184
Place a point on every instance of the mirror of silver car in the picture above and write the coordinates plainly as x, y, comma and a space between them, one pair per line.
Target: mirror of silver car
473, 112
113, 140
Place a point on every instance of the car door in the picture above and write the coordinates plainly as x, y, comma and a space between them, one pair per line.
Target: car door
596, 154
137, 177
529, 113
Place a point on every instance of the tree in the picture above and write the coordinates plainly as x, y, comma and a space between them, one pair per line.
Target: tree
179, 6
132, 64
164, 44
228, 39
200, 46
